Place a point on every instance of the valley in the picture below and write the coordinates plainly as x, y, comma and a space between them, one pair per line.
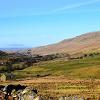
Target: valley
56, 74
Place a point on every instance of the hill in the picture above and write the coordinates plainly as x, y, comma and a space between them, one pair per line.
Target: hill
69, 69
81, 44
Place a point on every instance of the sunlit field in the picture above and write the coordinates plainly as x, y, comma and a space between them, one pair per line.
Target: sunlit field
63, 78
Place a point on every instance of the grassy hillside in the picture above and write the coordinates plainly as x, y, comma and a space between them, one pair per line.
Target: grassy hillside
83, 68
65, 77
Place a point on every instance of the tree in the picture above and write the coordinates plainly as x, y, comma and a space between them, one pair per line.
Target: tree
9, 67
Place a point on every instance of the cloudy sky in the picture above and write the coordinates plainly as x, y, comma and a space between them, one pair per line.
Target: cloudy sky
32, 23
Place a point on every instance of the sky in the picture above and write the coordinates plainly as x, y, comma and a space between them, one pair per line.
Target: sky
33, 23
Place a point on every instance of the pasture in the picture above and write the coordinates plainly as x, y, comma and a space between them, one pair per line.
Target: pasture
56, 78
82, 68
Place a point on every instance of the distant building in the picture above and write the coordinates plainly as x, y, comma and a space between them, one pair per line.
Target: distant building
3, 78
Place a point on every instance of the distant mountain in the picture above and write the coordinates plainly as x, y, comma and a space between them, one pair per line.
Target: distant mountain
13, 50
84, 43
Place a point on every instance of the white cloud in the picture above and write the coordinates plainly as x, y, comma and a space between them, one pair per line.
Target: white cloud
55, 11
77, 5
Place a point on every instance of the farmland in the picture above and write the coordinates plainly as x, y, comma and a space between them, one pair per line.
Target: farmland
88, 67
60, 77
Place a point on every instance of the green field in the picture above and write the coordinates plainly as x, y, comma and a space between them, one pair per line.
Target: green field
60, 77
88, 67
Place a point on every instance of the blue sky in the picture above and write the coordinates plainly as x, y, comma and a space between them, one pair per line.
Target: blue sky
32, 23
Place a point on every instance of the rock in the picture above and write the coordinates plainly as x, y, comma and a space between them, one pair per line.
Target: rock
37, 98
